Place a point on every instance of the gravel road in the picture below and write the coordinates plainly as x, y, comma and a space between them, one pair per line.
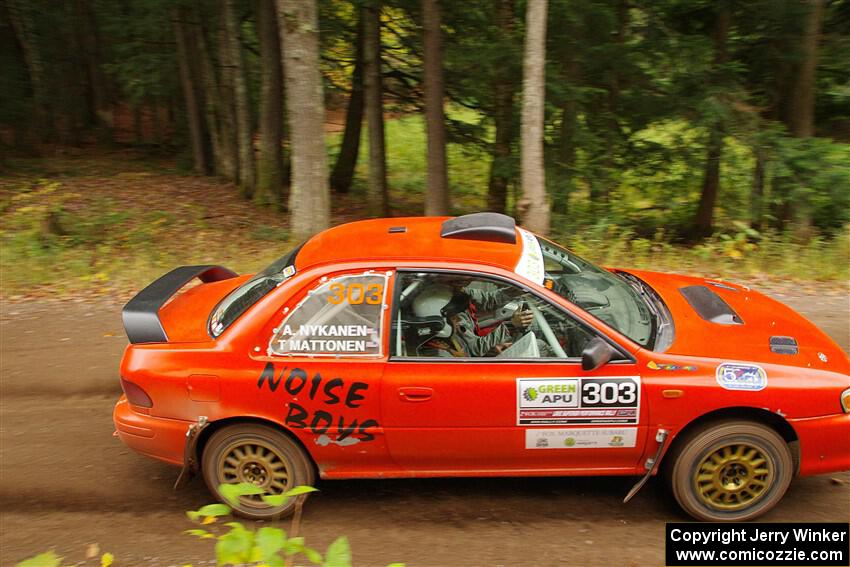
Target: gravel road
66, 483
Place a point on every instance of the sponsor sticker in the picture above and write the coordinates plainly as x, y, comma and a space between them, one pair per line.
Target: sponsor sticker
530, 263
652, 365
749, 377
595, 438
564, 401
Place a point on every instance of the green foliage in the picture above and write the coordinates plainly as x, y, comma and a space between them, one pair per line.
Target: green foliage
266, 546
48, 559
269, 546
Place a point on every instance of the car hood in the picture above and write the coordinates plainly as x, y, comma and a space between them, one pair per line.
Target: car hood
722, 320
186, 315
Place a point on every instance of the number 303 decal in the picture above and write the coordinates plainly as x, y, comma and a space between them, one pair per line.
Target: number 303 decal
608, 393
356, 293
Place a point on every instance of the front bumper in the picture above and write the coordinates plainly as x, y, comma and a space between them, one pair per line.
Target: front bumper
156, 437
824, 443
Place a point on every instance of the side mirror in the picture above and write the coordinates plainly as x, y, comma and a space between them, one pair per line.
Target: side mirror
596, 354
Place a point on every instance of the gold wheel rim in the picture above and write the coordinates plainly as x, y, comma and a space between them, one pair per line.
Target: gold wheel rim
733, 476
257, 463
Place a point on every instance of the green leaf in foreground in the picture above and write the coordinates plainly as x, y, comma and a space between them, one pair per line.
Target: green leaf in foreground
339, 553
275, 499
299, 490
235, 547
232, 492
280, 499
269, 541
214, 510
203, 534
312, 555
48, 559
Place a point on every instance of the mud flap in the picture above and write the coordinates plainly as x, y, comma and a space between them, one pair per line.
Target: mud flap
661, 439
190, 463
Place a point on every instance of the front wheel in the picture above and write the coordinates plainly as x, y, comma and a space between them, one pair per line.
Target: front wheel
730, 471
259, 455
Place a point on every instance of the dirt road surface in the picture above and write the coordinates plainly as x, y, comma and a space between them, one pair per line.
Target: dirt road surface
65, 482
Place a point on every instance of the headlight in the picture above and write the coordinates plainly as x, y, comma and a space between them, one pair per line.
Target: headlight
845, 400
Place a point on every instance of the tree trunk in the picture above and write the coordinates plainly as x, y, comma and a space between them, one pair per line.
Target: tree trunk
227, 103
803, 110
42, 110
757, 193
153, 104
704, 220
245, 132
437, 201
310, 195
193, 109
504, 87
501, 166
803, 107
346, 161
378, 192
566, 138
89, 40
215, 114
703, 223
533, 206
602, 192
270, 165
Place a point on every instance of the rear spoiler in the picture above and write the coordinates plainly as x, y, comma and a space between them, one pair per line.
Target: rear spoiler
141, 314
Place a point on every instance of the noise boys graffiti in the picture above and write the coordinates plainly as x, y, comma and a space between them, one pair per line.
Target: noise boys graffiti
334, 395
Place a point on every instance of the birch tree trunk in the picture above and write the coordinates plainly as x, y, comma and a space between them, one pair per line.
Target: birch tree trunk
378, 193
270, 163
309, 198
437, 202
533, 205
245, 132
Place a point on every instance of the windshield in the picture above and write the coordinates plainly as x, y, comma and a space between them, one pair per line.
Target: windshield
598, 291
250, 292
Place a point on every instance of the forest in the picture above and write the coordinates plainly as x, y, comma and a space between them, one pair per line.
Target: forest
663, 122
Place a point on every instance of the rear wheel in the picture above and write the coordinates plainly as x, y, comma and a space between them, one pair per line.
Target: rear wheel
730, 471
259, 455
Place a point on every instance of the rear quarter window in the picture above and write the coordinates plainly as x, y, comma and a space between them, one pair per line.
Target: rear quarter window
341, 316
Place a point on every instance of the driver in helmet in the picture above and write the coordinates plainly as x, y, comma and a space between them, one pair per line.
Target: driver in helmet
456, 338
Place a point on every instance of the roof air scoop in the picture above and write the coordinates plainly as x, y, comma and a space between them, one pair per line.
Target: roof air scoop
490, 227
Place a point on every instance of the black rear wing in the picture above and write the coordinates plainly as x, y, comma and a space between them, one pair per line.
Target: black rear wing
141, 314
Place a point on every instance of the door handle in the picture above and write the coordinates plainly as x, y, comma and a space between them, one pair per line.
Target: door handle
415, 394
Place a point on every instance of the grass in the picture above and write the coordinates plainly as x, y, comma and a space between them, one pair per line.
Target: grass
107, 223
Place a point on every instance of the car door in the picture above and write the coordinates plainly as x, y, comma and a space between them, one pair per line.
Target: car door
532, 410
319, 371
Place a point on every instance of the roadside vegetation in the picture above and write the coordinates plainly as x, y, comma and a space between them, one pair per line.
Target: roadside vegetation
238, 544
107, 223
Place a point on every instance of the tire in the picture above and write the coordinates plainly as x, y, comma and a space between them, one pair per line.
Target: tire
730, 471
261, 455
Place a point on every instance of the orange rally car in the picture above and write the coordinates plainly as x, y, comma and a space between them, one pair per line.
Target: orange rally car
471, 347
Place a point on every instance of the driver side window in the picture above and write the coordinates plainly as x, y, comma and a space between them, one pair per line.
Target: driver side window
443, 315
